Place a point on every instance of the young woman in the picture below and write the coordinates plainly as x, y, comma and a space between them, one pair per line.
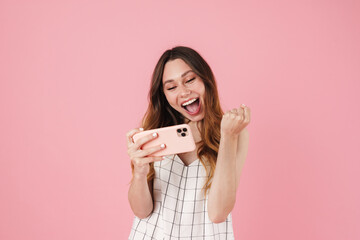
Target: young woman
188, 195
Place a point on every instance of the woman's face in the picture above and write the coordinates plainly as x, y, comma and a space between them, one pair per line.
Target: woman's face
184, 90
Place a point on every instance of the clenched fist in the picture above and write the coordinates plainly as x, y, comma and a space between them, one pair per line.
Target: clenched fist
235, 120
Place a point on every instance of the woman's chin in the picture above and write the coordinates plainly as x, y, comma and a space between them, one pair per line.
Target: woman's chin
194, 118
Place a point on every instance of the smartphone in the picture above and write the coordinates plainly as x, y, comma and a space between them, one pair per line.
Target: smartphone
177, 138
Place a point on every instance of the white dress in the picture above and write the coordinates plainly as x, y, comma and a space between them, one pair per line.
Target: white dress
180, 209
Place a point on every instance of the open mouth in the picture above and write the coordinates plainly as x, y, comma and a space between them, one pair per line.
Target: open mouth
192, 106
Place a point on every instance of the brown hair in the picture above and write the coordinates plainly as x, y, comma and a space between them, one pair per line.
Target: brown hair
161, 114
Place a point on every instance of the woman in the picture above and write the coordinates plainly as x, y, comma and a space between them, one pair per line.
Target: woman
188, 195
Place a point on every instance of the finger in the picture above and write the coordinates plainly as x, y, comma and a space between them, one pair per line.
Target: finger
141, 141
240, 117
131, 133
240, 112
243, 115
149, 151
241, 120
241, 107
231, 114
153, 159
143, 161
247, 115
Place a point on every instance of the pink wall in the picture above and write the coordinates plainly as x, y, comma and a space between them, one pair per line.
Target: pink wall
74, 77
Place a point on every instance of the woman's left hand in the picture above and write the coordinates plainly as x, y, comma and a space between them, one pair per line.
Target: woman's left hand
235, 120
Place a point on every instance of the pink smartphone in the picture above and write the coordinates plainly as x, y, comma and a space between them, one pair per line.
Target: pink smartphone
177, 138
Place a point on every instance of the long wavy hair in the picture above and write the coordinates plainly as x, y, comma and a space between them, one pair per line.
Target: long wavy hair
161, 114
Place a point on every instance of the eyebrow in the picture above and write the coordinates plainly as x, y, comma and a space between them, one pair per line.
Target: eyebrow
182, 75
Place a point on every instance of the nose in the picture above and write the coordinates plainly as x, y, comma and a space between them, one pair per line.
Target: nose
185, 91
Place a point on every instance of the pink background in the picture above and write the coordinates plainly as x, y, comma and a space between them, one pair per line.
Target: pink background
74, 77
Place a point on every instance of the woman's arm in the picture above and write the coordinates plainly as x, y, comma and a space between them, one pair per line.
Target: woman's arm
140, 192
231, 156
140, 197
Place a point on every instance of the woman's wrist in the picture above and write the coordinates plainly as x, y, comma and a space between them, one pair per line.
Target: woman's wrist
229, 135
139, 176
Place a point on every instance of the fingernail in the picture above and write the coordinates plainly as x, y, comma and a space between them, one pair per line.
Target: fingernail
141, 129
162, 145
154, 134
243, 105
163, 158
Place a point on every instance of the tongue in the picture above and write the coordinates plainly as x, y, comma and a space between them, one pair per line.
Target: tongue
193, 107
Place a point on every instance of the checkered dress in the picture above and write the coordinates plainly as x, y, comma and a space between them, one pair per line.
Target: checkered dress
180, 208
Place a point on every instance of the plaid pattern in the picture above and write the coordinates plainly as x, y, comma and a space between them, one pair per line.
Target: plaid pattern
180, 208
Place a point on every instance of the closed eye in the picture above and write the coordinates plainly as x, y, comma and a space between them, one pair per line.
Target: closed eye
171, 88
190, 80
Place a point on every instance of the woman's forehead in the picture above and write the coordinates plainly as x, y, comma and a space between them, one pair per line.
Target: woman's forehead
175, 69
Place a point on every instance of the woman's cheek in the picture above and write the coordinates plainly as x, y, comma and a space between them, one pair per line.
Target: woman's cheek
173, 98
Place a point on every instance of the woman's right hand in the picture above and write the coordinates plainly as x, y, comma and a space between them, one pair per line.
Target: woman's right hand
140, 159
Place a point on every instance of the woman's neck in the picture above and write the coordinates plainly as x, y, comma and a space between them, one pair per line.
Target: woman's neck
195, 129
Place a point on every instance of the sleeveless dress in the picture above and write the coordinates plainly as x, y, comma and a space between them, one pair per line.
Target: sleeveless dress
180, 208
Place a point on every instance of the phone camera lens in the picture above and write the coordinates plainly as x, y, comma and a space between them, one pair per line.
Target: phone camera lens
179, 130
183, 134
184, 129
